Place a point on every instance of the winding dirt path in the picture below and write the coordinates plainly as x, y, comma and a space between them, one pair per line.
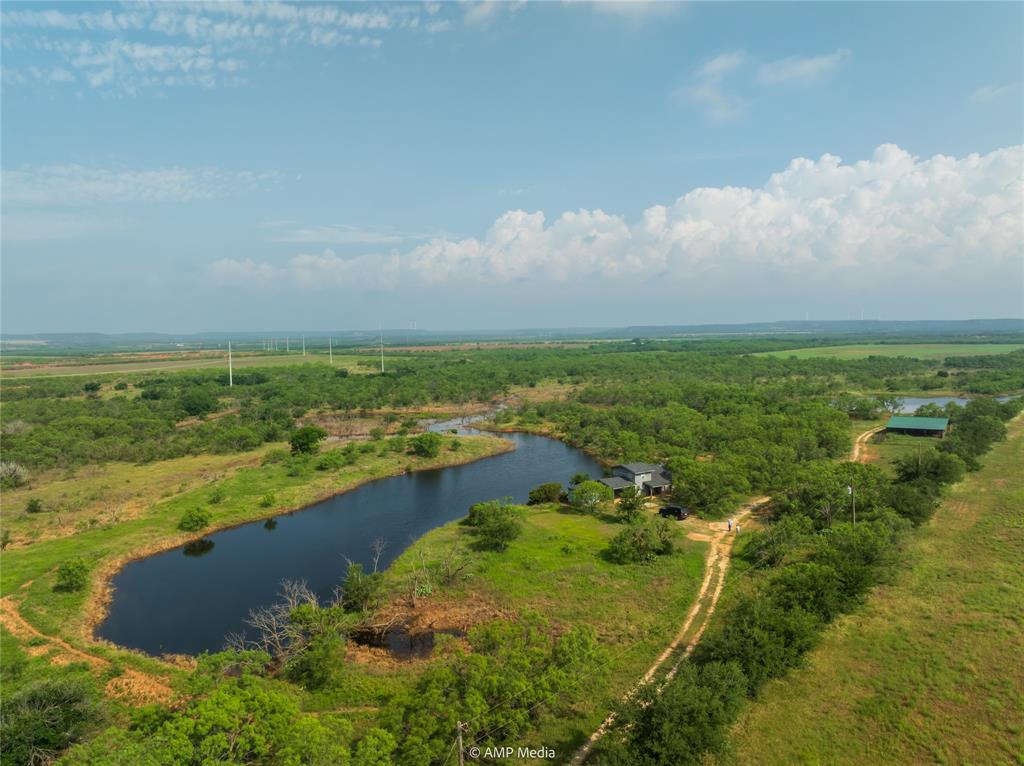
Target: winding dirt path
860, 444
130, 685
715, 567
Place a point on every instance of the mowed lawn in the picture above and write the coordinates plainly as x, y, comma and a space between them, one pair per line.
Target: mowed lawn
916, 350
930, 669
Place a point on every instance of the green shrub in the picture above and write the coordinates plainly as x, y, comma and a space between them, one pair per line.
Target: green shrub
306, 440
335, 459
376, 434
641, 541
496, 524
44, 718
545, 493
359, 589
268, 500
426, 445
91, 387
72, 575
12, 475
34, 505
590, 495
195, 519
276, 455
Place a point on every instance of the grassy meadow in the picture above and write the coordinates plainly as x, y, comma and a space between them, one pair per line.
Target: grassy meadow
557, 568
914, 350
929, 669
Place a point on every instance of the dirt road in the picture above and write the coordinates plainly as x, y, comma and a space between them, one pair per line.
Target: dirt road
715, 567
859, 452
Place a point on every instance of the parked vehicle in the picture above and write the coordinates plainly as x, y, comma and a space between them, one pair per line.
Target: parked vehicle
676, 512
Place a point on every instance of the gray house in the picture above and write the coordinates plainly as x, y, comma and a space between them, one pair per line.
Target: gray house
649, 478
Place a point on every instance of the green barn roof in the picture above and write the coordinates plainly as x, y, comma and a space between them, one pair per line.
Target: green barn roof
918, 424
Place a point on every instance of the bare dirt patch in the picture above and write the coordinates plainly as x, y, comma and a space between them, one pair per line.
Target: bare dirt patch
131, 685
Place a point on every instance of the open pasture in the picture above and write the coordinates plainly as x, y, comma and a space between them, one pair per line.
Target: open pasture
914, 350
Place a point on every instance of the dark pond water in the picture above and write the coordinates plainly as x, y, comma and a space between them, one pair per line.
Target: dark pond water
186, 600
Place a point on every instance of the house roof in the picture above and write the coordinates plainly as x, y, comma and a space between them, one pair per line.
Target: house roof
641, 467
918, 424
658, 480
616, 482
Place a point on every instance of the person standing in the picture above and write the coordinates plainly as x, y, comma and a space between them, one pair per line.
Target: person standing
729, 522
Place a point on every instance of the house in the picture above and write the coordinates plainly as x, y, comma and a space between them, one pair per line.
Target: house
914, 426
649, 478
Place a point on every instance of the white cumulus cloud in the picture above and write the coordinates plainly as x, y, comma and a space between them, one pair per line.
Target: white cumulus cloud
893, 216
801, 70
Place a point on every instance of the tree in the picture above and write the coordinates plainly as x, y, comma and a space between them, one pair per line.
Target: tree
545, 493
195, 520
72, 575
708, 487
589, 495
579, 478
687, 719
306, 440
497, 524
198, 401
642, 541
426, 444
631, 503
930, 465
243, 720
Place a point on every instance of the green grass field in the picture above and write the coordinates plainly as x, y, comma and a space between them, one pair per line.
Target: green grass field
915, 350
556, 568
929, 669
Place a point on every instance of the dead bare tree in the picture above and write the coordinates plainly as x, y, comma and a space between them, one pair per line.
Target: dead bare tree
377, 548
274, 630
827, 512
455, 561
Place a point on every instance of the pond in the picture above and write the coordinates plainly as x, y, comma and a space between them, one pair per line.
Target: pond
188, 599
913, 403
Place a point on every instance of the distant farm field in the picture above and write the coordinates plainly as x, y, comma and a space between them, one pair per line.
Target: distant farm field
915, 350
928, 670
109, 364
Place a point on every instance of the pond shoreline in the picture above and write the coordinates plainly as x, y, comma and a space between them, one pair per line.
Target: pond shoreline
97, 605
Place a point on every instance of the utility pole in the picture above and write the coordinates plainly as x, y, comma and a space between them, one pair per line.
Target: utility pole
231, 371
462, 755
287, 344
853, 497
303, 345
330, 349
382, 351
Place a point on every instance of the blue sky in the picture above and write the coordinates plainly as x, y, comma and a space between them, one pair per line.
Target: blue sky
187, 167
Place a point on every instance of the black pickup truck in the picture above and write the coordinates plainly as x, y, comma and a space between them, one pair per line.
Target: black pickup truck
674, 512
